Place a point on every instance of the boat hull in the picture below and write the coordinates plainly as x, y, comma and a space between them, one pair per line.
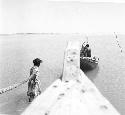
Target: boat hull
88, 63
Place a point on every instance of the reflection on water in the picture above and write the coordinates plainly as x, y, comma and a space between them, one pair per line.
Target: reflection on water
18, 51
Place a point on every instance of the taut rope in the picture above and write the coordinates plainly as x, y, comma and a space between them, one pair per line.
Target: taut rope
118, 43
3, 90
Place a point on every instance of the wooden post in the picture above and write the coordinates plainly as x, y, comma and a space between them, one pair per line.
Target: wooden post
74, 95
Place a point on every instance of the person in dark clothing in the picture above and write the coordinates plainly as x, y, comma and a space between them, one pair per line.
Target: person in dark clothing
85, 51
82, 50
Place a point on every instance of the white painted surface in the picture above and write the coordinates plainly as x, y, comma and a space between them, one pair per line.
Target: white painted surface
71, 61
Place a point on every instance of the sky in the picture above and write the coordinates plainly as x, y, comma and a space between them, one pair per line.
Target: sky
57, 16
90, 1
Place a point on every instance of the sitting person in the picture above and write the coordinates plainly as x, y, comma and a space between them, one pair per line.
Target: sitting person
34, 74
85, 51
82, 50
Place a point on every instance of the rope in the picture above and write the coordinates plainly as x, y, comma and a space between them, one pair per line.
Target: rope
9, 88
118, 43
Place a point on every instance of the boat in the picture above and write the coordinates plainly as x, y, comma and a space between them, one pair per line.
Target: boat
88, 63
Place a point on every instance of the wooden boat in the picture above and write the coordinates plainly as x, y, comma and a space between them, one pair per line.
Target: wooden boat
88, 63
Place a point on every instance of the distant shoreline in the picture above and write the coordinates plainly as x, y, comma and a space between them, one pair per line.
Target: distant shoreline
51, 33
38, 33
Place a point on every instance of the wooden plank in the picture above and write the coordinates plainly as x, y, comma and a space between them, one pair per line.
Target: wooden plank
71, 61
74, 95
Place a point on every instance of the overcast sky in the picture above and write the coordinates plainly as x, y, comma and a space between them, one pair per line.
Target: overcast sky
39, 16
114, 1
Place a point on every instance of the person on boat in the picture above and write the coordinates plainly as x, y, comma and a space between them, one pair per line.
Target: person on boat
82, 50
34, 75
85, 51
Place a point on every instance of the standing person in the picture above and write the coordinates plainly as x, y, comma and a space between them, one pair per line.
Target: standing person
34, 81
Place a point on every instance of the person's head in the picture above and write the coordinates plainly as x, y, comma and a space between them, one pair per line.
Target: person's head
87, 45
37, 62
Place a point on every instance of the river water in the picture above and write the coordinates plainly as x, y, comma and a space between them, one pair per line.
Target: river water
17, 52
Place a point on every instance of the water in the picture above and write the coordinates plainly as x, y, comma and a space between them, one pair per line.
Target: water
18, 51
